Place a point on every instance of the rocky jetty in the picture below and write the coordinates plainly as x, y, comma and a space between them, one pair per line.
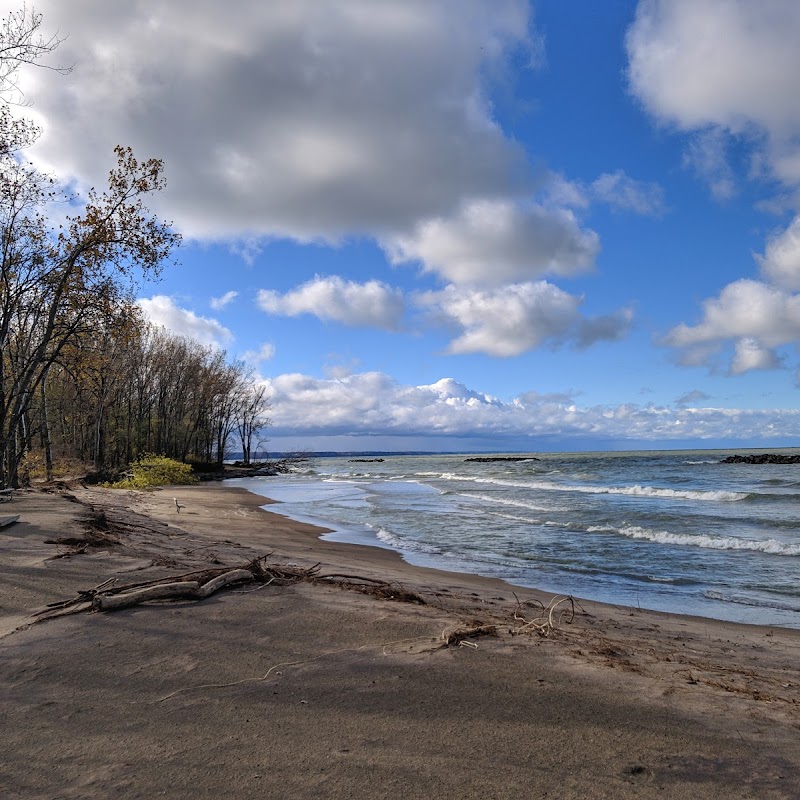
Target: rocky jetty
488, 459
762, 458
258, 469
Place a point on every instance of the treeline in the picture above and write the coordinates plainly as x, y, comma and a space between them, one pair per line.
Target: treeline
134, 389
82, 376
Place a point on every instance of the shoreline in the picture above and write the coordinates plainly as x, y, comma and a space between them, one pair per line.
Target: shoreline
730, 611
338, 694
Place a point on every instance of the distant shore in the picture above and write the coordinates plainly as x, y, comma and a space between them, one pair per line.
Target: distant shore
314, 690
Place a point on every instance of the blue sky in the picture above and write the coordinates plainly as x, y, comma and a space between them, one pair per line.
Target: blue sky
464, 225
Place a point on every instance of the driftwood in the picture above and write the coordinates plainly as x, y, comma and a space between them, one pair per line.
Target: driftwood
201, 584
462, 636
191, 586
373, 586
549, 618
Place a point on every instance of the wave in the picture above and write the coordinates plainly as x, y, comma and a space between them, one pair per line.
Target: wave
744, 600
679, 494
706, 541
399, 543
712, 495
507, 501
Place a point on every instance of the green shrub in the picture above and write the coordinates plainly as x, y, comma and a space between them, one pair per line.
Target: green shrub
152, 470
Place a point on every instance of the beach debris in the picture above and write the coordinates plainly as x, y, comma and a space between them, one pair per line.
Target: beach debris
97, 534
460, 637
549, 618
190, 586
201, 584
386, 590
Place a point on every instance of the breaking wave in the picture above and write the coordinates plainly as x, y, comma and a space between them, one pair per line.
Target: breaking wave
718, 496
707, 541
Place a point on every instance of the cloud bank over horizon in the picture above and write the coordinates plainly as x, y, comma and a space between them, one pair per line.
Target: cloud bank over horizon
372, 404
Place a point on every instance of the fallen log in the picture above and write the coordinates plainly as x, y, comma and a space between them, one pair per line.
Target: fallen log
203, 583
189, 590
114, 602
215, 584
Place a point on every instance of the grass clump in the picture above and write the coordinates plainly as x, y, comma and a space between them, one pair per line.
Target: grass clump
150, 471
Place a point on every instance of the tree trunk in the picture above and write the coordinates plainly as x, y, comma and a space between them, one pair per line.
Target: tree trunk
45, 431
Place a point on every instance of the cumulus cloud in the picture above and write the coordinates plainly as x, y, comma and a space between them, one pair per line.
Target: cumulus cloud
719, 69
745, 308
755, 316
707, 156
722, 65
162, 310
370, 304
257, 357
218, 303
624, 193
297, 118
371, 403
497, 241
509, 320
781, 260
750, 354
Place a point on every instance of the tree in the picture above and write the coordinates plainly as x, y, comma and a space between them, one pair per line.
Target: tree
55, 282
252, 409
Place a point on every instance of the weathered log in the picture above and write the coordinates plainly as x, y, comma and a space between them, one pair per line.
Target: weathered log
234, 576
114, 602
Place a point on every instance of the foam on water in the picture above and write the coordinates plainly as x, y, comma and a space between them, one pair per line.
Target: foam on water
633, 491
771, 546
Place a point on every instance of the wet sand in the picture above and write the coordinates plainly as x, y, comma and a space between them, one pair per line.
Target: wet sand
312, 691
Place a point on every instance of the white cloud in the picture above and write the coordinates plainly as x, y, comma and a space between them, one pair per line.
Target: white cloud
750, 354
707, 156
744, 308
372, 403
624, 193
492, 242
162, 310
757, 317
510, 320
218, 303
370, 304
725, 65
299, 118
264, 353
781, 260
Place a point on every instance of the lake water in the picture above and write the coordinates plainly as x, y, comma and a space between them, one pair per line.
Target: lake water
673, 531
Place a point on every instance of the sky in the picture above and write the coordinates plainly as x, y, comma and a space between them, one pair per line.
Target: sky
476, 225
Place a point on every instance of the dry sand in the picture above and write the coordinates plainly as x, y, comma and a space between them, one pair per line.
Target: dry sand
312, 691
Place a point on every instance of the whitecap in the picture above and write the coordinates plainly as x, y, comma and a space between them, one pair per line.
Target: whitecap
707, 541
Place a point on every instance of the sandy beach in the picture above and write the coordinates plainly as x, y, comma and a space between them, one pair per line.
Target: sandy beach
311, 690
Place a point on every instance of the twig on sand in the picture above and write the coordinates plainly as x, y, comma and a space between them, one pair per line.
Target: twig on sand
558, 610
461, 636
373, 586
